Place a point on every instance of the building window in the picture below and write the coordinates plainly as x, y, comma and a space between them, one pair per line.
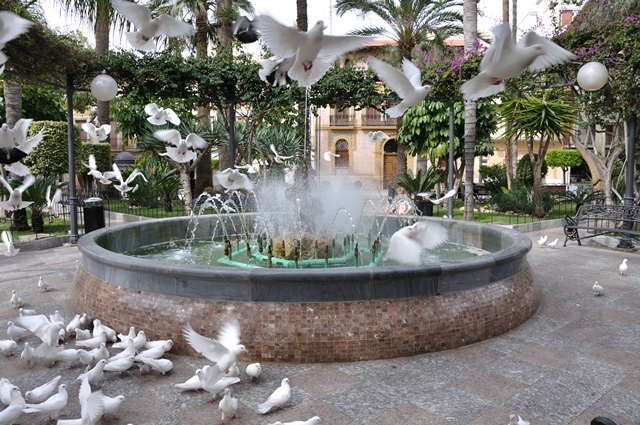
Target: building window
342, 149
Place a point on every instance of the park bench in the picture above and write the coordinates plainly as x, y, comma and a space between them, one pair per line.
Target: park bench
599, 219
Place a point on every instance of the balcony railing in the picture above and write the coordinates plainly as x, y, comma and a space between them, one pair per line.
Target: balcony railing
378, 120
342, 119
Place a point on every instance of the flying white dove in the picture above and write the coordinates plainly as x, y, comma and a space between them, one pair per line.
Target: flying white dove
11, 26
505, 59
228, 406
517, 420
314, 50
51, 406
406, 245
553, 244
53, 203
232, 179
278, 158
224, 350
96, 134
15, 332
310, 421
211, 382
91, 406
18, 169
542, 241
447, 195
12, 413
253, 371
281, 395
16, 137
407, 84
148, 28
597, 289
124, 185
15, 201
112, 405
276, 71
7, 240
43, 327
623, 267
376, 136
328, 154
16, 300
159, 115
7, 346
243, 30
184, 150
250, 168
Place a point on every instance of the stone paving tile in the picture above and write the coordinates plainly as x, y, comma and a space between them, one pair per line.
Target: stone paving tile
520, 370
408, 414
474, 355
453, 404
365, 401
542, 355
324, 380
621, 404
489, 386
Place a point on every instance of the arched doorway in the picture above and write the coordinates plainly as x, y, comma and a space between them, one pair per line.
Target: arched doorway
390, 165
342, 150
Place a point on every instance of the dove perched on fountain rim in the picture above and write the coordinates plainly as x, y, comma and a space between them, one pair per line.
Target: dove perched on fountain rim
224, 350
280, 396
406, 245
407, 84
505, 59
314, 51
15, 201
159, 115
11, 26
184, 150
10, 249
148, 28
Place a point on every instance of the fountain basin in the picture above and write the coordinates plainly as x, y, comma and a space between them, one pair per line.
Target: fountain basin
310, 315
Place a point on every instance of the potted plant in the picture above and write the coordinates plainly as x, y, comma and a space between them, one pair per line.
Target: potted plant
421, 183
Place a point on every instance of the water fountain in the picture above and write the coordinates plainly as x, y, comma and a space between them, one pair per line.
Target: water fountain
304, 309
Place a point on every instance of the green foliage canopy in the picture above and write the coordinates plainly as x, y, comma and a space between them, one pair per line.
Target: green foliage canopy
564, 158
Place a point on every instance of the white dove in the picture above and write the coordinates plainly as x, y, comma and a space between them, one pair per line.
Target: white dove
407, 84
96, 134
224, 351
98, 327
18, 136
281, 395
250, 168
278, 158
7, 346
12, 413
542, 241
275, 71
5, 391
68, 355
597, 289
376, 136
112, 405
85, 321
15, 332
310, 421
28, 354
406, 245
253, 371
156, 351
91, 406
101, 352
243, 30
159, 115
138, 340
52, 406
129, 350
82, 334
124, 338
192, 383
158, 343
94, 374
43, 327
11, 26
328, 154
10, 249
42, 284
228, 406
314, 50
16, 300
15, 201
124, 185
210, 381
184, 150
553, 243
148, 28
160, 365
447, 195
53, 203
516, 420
93, 342
26, 312
104, 178
18, 169
120, 365
73, 324
41, 393
623, 267
505, 59
232, 179
233, 371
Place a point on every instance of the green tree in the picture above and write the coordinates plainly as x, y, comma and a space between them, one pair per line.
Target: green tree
544, 116
423, 24
565, 159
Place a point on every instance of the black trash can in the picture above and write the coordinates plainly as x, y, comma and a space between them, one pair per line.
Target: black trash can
425, 207
93, 215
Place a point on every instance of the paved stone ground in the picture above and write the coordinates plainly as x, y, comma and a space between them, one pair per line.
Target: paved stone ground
577, 358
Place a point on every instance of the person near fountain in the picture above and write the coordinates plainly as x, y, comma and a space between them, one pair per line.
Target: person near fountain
401, 203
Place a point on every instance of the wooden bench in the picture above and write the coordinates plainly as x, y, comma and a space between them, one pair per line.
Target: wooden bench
602, 219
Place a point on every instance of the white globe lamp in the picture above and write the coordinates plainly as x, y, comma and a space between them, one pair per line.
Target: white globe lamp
592, 76
103, 87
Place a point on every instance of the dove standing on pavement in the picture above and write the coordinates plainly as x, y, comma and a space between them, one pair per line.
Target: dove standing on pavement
542, 241
505, 59
406, 245
43, 392
51, 406
516, 420
10, 249
159, 115
5, 391
93, 342
597, 289
407, 84
553, 243
12, 413
228, 406
310, 421
16, 300
101, 352
11, 26
159, 365
192, 383
15, 201
42, 284
7, 346
94, 374
253, 371
185, 149
99, 327
210, 381
281, 395
15, 332
148, 28
623, 267
96, 134
314, 51
28, 354
112, 405
156, 351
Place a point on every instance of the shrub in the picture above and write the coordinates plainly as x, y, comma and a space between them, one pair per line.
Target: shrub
494, 177
51, 156
524, 170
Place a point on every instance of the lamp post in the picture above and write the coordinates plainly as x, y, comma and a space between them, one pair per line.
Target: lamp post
591, 77
103, 87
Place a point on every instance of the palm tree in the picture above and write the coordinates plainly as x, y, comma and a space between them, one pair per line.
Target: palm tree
412, 23
470, 23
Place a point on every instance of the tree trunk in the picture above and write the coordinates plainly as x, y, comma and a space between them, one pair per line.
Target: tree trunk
302, 19
505, 11
514, 20
224, 36
186, 188
538, 205
470, 24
